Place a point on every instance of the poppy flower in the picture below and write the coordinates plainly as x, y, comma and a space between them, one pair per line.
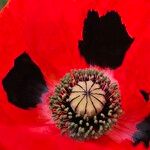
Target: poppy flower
40, 42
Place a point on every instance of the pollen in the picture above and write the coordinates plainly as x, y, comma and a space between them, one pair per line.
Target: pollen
86, 104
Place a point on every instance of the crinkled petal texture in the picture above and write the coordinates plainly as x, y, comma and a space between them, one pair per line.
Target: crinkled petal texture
49, 32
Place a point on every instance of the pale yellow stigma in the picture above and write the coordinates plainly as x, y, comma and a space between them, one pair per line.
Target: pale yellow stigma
87, 98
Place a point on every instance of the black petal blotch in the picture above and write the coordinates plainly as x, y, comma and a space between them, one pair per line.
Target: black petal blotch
143, 132
145, 94
105, 40
24, 83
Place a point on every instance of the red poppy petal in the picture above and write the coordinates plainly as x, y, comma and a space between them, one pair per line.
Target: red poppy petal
134, 75
39, 28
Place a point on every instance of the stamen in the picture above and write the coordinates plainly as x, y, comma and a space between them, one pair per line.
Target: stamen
85, 104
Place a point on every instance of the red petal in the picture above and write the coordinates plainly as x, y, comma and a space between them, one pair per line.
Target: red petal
49, 32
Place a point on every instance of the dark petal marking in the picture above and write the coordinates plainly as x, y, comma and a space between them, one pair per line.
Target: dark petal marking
24, 83
143, 132
145, 95
105, 39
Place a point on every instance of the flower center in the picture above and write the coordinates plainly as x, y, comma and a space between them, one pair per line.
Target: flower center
86, 104
87, 98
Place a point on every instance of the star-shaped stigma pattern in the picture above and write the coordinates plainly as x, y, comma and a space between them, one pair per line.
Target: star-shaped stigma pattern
87, 98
